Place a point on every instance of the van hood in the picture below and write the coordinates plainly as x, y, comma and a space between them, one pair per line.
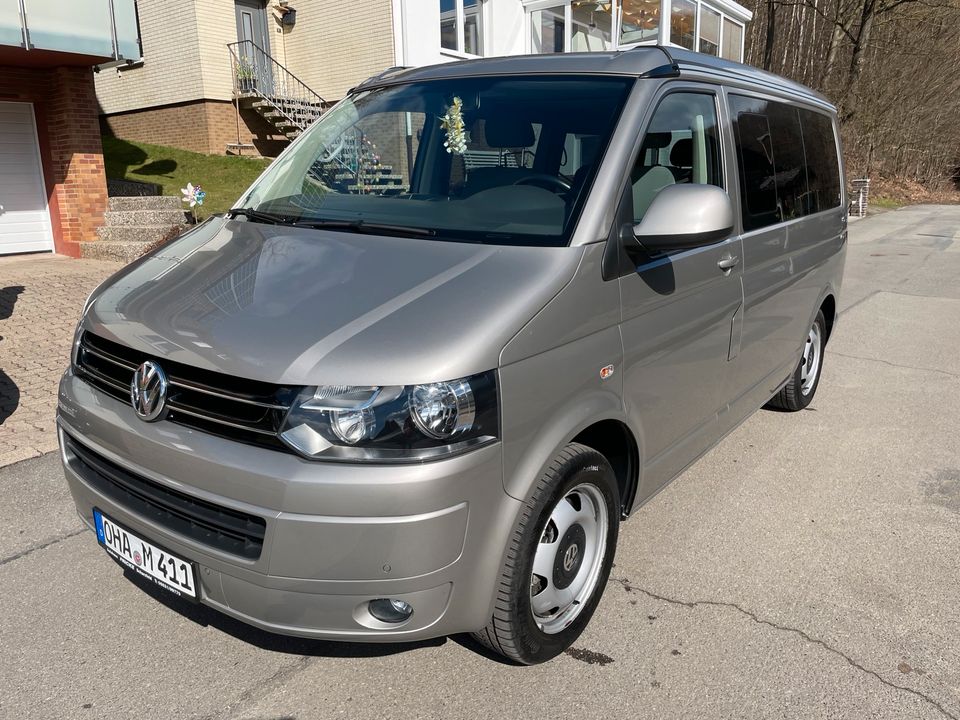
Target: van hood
308, 307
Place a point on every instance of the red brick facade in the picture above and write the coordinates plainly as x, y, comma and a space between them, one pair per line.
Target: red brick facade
66, 111
205, 126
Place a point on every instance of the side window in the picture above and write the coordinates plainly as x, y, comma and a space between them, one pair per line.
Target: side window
823, 168
682, 145
787, 160
791, 177
754, 139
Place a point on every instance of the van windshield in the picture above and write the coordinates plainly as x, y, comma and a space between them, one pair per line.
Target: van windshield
500, 160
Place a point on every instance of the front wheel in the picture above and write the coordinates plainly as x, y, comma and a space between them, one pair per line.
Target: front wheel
558, 561
803, 384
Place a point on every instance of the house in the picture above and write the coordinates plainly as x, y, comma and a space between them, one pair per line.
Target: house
52, 184
245, 76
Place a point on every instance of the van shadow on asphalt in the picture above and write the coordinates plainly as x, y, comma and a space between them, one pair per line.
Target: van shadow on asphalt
9, 392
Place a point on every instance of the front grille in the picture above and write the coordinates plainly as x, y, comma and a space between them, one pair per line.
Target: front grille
230, 531
249, 411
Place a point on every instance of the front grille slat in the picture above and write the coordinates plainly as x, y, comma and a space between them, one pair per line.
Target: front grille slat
109, 358
212, 418
226, 396
224, 529
249, 411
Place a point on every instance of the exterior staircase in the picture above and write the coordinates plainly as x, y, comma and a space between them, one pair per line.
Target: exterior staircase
264, 86
132, 225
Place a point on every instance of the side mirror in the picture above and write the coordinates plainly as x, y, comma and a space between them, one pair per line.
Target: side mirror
685, 216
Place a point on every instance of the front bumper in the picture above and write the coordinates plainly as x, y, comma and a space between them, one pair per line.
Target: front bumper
336, 536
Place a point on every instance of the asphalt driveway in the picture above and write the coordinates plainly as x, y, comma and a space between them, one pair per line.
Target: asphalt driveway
809, 566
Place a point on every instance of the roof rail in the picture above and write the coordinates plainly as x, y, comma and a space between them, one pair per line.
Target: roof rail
670, 69
380, 76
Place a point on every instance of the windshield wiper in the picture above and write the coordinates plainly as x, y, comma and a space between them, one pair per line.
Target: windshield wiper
263, 217
363, 226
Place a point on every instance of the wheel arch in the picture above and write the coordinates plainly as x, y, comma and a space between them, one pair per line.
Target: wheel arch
828, 304
613, 439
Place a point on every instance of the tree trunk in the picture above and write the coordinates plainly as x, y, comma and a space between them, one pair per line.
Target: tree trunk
771, 34
856, 61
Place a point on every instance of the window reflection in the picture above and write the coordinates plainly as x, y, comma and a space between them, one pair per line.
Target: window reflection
472, 27
547, 30
709, 31
640, 20
732, 40
683, 23
448, 24
592, 22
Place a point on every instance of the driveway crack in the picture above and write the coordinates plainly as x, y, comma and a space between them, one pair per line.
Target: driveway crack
896, 365
786, 628
41, 546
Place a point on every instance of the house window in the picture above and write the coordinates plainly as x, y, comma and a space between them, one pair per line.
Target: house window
709, 31
683, 23
461, 26
547, 30
575, 26
639, 21
591, 25
732, 45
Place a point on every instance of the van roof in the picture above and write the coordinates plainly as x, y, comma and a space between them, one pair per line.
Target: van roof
641, 61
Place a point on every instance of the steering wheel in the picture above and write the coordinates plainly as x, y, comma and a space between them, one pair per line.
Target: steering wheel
547, 182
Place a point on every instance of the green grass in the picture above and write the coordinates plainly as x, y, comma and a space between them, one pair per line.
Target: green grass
222, 177
885, 202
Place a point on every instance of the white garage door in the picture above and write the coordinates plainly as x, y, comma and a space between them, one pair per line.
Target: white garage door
24, 220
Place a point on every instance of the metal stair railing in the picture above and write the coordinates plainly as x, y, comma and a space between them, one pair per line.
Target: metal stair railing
257, 74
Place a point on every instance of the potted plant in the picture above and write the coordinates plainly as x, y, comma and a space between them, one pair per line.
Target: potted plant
246, 78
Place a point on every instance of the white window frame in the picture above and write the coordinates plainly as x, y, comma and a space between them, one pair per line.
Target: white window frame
666, 10
530, 7
743, 33
462, 32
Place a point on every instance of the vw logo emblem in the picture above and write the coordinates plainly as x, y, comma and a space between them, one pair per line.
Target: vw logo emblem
148, 392
570, 557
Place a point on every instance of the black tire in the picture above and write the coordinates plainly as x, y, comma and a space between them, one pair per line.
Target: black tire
799, 391
513, 631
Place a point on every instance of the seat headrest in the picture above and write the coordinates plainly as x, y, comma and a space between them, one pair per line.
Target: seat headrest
681, 155
657, 140
507, 132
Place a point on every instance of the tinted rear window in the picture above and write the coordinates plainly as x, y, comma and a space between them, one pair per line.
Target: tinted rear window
787, 160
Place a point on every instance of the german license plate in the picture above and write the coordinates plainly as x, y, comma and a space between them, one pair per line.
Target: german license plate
170, 572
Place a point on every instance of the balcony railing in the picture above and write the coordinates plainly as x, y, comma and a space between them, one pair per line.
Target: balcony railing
102, 29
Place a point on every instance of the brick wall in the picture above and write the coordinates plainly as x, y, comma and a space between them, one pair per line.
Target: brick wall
205, 126
65, 107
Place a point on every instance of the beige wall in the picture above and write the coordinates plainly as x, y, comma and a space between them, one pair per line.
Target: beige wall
216, 27
336, 44
171, 57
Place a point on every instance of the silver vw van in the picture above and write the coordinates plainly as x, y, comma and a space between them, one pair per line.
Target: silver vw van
453, 336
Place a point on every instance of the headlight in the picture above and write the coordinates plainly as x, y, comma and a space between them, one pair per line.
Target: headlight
393, 424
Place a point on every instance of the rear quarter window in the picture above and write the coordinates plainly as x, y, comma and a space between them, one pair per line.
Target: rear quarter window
823, 167
787, 161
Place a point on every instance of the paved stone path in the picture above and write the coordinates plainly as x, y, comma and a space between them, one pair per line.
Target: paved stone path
40, 301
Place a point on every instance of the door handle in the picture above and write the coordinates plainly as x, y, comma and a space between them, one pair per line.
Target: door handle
728, 262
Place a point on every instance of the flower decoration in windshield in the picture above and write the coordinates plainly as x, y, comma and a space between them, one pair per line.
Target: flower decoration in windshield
453, 123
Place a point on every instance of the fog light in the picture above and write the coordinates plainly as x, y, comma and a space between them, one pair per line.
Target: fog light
390, 611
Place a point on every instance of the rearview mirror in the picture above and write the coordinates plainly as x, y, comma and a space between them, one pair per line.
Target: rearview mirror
685, 216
